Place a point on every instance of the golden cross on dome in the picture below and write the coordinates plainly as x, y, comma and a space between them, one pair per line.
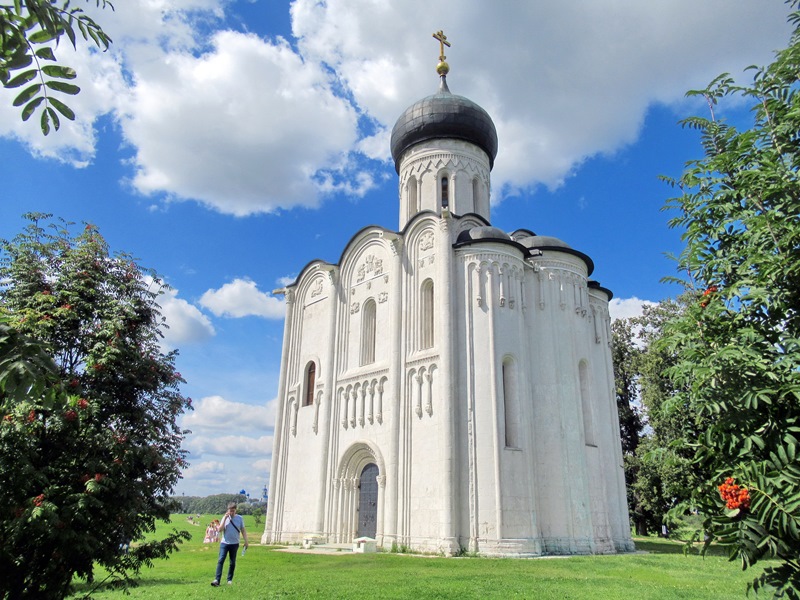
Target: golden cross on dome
439, 35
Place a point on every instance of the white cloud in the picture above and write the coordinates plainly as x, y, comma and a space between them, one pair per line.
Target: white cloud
244, 128
288, 280
242, 298
229, 445
245, 125
216, 413
186, 323
210, 469
262, 465
240, 458
562, 80
623, 308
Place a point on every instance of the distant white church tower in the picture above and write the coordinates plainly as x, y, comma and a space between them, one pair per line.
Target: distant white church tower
449, 386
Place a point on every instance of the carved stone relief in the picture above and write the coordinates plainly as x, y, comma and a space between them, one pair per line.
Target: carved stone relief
316, 288
371, 266
426, 241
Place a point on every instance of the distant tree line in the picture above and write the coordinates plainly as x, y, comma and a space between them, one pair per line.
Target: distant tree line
218, 504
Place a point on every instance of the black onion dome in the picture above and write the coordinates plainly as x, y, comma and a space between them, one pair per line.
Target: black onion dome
444, 115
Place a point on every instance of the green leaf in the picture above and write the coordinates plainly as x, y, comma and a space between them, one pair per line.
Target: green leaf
19, 60
54, 117
45, 53
42, 36
27, 94
45, 121
66, 88
59, 71
30, 107
22, 78
71, 35
62, 108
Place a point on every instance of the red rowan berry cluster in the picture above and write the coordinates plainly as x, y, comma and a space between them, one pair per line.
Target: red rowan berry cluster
734, 495
706, 299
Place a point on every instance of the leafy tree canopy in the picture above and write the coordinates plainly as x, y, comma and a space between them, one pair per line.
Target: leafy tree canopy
658, 468
89, 442
737, 346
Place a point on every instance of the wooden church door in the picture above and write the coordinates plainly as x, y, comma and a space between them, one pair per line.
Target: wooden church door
368, 502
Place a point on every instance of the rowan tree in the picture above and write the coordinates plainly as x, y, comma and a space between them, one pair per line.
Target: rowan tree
737, 373
90, 447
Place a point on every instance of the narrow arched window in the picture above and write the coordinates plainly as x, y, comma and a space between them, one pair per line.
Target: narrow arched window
413, 207
311, 380
586, 405
476, 196
426, 314
445, 183
510, 404
368, 332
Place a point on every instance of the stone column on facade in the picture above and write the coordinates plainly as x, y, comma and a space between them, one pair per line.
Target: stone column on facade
471, 300
493, 291
277, 442
328, 416
446, 341
525, 391
391, 389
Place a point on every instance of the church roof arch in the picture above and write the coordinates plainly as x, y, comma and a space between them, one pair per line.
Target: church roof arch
372, 235
308, 274
417, 217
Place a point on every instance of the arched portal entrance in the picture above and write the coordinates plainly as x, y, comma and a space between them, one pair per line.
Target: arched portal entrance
368, 502
356, 509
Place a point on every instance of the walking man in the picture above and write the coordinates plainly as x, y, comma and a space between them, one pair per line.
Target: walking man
231, 526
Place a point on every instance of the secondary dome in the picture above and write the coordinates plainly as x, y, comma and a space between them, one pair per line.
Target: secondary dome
485, 232
444, 115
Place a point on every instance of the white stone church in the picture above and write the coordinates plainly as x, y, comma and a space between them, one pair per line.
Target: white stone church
449, 386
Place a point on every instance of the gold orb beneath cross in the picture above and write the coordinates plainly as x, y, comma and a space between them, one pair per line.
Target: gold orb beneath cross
442, 68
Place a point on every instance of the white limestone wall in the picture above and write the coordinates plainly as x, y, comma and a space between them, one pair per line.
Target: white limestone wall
608, 424
422, 167
498, 513
450, 475
422, 453
300, 449
562, 472
365, 413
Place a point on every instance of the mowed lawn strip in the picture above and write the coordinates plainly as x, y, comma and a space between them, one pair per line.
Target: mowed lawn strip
265, 572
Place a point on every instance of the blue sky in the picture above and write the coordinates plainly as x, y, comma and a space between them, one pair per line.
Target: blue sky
228, 143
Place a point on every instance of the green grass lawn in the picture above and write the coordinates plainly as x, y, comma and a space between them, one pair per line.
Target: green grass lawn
661, 574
